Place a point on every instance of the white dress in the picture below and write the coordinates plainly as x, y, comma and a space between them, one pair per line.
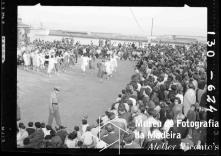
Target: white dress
51, 65
85, 61
112, 65
108, 67
115, 61
26, 58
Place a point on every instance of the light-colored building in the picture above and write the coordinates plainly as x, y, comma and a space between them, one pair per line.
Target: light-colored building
22, 32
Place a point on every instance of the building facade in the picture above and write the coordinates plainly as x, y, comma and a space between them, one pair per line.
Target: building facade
22, 32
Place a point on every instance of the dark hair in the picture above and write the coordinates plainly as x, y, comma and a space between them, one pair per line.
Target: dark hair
37, 124
48, 137
26, 141
42, 125
111, 115
84, 122
21, 125
30, 124
79, 143
76, 128
48, 127
169, 115
142, 109
201, 84
99, 121
88, 128
72, 135
193, 105
109, 127
123, 91
177, 98
172, 98
52, 133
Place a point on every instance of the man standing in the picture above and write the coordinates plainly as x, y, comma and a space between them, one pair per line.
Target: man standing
54, 108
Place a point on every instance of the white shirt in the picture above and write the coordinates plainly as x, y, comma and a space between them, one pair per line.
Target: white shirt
46, 132
87, 138
138, 86
95, 131
71, 143
101, 144
21, 135
127, 107
84, 127
105, 119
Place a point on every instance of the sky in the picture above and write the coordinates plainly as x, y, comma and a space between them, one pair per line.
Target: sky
191, 21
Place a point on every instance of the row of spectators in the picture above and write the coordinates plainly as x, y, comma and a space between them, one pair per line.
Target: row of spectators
169, 85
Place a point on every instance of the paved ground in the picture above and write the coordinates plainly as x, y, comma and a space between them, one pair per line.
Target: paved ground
80, 94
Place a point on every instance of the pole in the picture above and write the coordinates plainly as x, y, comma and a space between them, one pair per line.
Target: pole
152, 28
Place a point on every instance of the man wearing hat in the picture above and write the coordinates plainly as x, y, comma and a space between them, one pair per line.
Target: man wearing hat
54, 108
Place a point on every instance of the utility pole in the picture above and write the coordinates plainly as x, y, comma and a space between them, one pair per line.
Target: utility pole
152, 28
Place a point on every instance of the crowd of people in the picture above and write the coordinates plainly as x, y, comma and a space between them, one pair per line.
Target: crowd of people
58, 56
169, 84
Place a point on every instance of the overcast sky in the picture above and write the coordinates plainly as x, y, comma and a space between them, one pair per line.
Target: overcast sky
167, 20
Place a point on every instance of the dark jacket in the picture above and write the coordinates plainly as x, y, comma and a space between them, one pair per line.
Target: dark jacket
36, 138
30, 130
62, 134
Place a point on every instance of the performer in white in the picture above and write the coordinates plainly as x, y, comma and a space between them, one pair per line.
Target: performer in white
51, 63
38, 60
27, 61
108, 69
42, 60
84, 64
114, 61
